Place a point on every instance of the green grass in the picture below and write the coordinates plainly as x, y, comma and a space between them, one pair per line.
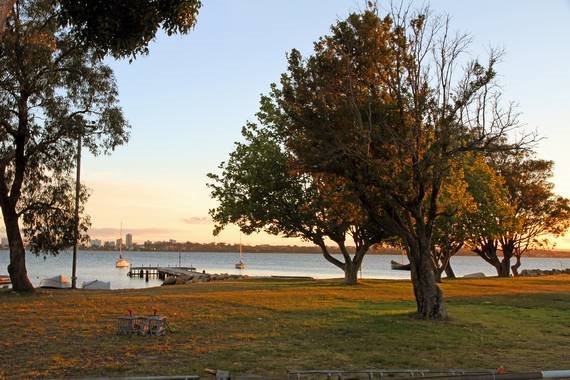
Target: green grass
266, 327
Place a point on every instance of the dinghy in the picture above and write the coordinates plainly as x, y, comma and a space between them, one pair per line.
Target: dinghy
96, 285
397, 266
57, 282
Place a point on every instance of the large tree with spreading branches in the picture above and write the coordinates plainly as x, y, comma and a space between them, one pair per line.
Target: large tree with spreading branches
259, 190
118, 28
52, 91
387, 103
518, 210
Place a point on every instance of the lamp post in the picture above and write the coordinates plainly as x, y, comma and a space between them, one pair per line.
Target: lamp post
77, 190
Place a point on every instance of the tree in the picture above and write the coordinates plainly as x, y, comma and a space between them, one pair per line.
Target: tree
492, 217
52, 91
537, 212
382, 104
450, 230
48, 213
120, 28
259, 191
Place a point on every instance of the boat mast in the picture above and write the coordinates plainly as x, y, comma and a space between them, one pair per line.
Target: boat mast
240, 251
121, 242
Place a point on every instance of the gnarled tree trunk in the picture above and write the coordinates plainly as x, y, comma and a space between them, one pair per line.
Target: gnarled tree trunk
441, 257
17, 266
449, 271
517, 265
429, 297
504, 267
350, 266
488, 251
350, 273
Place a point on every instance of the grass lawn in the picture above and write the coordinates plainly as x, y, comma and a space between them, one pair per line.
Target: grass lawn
266, 326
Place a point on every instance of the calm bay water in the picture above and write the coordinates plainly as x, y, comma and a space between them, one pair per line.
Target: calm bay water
101, 265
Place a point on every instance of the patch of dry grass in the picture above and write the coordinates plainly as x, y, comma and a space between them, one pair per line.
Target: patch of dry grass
269, 326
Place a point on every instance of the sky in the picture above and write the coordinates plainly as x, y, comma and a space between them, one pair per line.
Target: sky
188, 99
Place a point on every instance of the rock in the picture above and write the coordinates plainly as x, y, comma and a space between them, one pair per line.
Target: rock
195, 277
169, 281
546, 272
475, 275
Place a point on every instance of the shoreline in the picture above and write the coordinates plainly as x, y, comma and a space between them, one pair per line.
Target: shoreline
537, 254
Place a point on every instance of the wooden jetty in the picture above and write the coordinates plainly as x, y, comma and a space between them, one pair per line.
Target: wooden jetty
159, 272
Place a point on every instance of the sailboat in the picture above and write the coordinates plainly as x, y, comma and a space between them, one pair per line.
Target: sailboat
400, 266
121, 261
240, 264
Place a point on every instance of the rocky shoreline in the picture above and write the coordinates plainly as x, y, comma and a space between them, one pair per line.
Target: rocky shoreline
200, 277
208, 277
543, 272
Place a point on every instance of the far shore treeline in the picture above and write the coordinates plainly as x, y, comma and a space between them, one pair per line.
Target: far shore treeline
166, 246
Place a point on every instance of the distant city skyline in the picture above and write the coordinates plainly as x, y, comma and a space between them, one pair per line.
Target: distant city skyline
188, 100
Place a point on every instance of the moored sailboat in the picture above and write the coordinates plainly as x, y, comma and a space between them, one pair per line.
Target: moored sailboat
121, 261
240, 264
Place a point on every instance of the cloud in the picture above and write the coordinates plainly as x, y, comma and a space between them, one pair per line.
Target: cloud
197, 220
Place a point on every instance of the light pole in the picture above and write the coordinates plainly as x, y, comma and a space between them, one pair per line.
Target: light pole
77, 191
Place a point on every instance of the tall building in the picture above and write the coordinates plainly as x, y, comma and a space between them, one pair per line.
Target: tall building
119, 243
129, 241
95, 243
109, 245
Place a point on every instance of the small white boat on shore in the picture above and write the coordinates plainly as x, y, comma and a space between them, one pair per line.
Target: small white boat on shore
57, 282
96, 285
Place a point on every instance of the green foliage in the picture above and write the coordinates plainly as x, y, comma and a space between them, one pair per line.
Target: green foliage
538, 213
52, 90
259, 190
125, 28
48, 215
493, 215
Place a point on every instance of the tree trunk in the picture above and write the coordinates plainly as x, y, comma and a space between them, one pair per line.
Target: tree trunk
449, 270
488, 251
17, 266
504, 268
429, 297
438, 272
508, 248
351, 273
517, 265
349, 267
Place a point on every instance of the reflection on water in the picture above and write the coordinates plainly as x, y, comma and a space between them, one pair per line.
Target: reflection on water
101, 265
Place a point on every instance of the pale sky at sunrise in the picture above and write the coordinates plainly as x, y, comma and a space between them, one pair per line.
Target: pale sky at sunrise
188, 99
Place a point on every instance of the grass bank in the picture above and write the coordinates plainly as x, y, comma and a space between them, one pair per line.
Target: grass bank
269, 326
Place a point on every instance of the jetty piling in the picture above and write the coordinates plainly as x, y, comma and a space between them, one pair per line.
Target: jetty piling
159, 272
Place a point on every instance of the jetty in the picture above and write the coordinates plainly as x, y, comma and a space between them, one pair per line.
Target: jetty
161, 273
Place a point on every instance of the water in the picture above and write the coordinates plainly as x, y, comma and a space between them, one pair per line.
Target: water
101, 265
